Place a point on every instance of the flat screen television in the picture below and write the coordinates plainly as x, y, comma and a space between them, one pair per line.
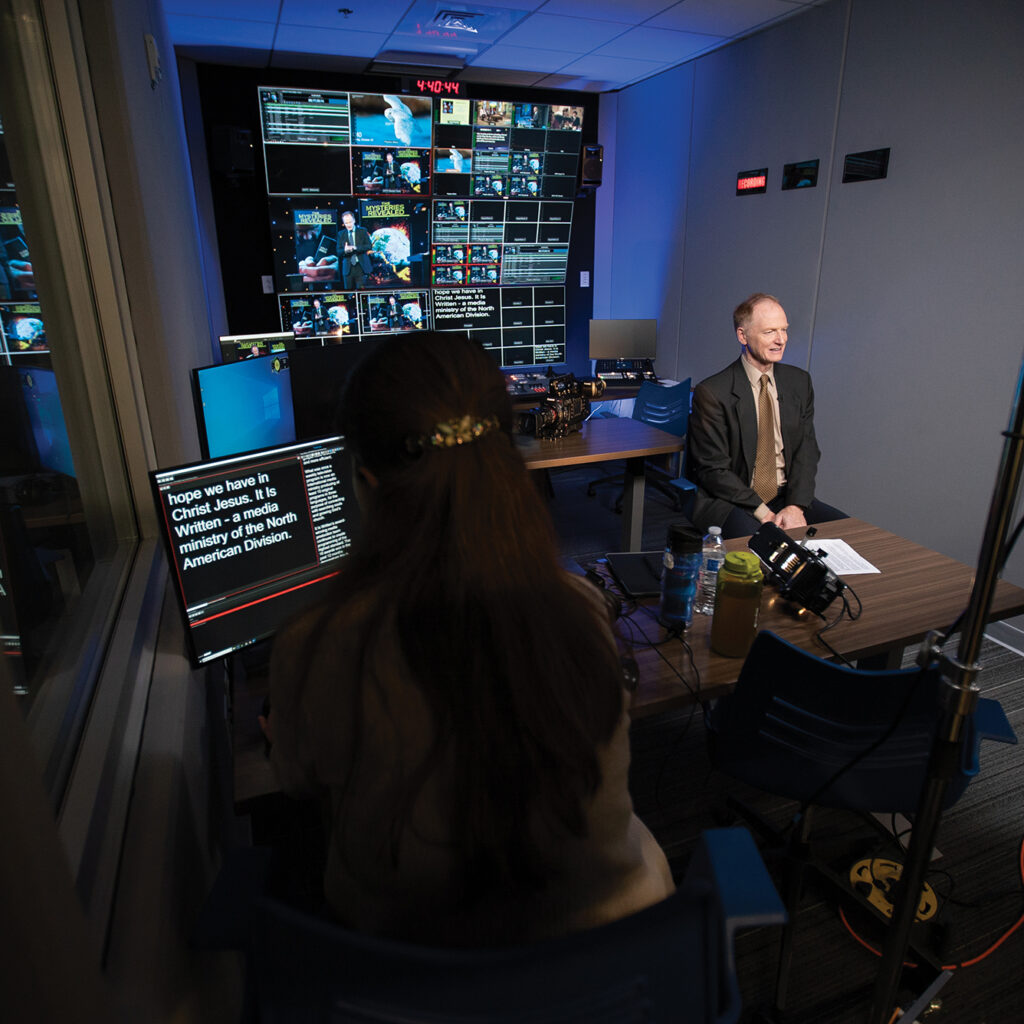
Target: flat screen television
623, 339
234, 347
254, 538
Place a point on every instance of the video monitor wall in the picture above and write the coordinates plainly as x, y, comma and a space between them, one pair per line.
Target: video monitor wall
394, 213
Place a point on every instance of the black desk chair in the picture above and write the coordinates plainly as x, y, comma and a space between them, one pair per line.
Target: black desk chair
669, 962
804, 728
668, 409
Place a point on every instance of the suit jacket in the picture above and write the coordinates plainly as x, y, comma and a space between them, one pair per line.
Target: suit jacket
362, 246
722, 440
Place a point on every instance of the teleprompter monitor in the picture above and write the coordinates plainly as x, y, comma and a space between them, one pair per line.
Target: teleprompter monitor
623, 339
254, 538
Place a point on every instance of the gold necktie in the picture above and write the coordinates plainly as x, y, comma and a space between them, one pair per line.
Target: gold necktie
766, 476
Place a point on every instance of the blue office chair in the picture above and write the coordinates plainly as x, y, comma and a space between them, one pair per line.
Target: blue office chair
804, 728
668, 409
669, 962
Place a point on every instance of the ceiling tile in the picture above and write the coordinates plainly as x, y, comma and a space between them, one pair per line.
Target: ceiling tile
659, 44
247, 10
497, 76
722, 19
513, 5
612, 69
532, 59
519, 39
577, 84
298, 39
548, 31
379, 16
190, 31
632, 12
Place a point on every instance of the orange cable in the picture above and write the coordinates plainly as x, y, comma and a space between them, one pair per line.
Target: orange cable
948, 967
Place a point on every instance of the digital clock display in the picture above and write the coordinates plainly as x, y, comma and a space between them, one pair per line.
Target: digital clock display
439, 87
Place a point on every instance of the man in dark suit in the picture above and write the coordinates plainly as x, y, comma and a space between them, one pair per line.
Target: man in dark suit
751, 448
354, 243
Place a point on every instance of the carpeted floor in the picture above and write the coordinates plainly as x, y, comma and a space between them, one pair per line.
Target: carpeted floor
977, 876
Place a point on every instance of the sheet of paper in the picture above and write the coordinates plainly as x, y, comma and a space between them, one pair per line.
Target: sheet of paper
840, 557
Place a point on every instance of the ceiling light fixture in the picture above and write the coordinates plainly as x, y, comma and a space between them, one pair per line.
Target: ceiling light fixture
459, 21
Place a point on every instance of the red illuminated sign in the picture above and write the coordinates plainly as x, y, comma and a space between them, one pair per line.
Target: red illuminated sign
752, 182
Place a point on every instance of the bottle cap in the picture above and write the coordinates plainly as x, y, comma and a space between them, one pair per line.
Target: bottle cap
744, 564
715, 530
684, 539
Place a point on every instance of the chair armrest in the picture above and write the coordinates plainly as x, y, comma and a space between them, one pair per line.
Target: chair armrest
988, 722
728, 860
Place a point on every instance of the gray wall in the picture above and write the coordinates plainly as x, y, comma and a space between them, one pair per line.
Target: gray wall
903, 295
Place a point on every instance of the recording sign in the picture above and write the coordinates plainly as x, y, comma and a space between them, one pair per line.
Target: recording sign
752, 182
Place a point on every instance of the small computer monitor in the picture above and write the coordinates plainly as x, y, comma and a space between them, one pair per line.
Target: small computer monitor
254, 538
236, 347
623, 339
244, 406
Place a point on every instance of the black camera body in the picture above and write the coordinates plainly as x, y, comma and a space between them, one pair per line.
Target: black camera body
563, 409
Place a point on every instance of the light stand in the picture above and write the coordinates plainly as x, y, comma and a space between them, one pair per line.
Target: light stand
961, 695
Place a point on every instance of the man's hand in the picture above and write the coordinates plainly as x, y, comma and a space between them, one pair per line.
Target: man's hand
324, 270
789, 518
22, 275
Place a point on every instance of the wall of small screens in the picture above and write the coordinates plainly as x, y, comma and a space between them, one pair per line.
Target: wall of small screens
466, 204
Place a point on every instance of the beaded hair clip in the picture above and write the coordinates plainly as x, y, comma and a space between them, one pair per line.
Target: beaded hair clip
450, 433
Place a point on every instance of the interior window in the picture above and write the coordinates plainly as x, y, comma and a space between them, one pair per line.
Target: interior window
45, 551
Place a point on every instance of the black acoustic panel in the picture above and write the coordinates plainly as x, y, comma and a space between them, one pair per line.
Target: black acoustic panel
593, 164
870, 165
801, 175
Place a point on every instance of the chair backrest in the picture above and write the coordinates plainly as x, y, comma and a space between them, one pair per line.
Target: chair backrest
669, 962
667, 408
794, 720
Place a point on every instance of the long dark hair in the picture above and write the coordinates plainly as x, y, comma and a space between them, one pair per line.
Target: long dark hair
458, 545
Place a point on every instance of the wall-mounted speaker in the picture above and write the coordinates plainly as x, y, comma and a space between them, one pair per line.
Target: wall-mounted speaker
593, 159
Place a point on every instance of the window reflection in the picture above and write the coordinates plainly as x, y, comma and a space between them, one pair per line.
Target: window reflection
45, 553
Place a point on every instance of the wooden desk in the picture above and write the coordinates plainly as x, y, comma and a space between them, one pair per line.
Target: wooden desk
916, 591
605, 440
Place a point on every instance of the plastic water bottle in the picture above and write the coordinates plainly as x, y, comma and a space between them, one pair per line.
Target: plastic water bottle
681, 567
713, 555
